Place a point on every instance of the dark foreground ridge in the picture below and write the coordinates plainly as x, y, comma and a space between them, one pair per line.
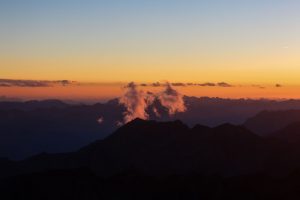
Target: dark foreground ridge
82, 184
162, 160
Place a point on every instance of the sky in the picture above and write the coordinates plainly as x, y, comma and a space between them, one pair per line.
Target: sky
249, 42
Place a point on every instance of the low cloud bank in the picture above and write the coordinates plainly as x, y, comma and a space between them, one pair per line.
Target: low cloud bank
180, 84
33, 83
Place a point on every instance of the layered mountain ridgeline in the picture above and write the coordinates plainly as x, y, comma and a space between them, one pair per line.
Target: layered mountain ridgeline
162, 160
289, 134
267, 123
215, 111
32, 105
29, 128
33, 127
166, 148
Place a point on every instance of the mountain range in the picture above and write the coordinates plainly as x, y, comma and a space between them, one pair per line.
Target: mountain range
162, 160
153, 148
52, 126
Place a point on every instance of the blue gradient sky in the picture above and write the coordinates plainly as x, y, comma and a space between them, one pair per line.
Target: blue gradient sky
249, 41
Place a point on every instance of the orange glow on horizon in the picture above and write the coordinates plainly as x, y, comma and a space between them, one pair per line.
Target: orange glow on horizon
106, 92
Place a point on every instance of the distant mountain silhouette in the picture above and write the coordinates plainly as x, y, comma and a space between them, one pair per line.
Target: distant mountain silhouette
162, 160
60, 128
172, 148
289, 134
215, 111
53, 126
268, 122
165, 148
32, 105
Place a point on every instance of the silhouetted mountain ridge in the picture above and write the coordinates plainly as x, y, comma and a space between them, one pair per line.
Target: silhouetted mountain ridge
290, 133
54, 126
268, 122
32, 105
165, 148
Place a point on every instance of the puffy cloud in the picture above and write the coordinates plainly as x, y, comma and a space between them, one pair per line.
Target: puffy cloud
172, 100
137, 102
100, 120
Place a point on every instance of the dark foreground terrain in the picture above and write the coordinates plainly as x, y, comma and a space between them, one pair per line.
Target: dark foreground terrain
81, 184
164, 160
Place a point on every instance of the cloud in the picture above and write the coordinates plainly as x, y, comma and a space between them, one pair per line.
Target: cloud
100, 120
223, 84
172, 100
156, 112
64, 82
23, 83
178, 84
156, 84
32, 83
182, 84
4, 85
137, 102
190, 84
207, 84
258, 86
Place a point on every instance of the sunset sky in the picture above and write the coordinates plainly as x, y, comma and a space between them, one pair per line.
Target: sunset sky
251, 44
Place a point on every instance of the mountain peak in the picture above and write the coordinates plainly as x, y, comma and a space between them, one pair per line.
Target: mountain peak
143, 129
289, 134
137, 121
227, 126
200, 128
